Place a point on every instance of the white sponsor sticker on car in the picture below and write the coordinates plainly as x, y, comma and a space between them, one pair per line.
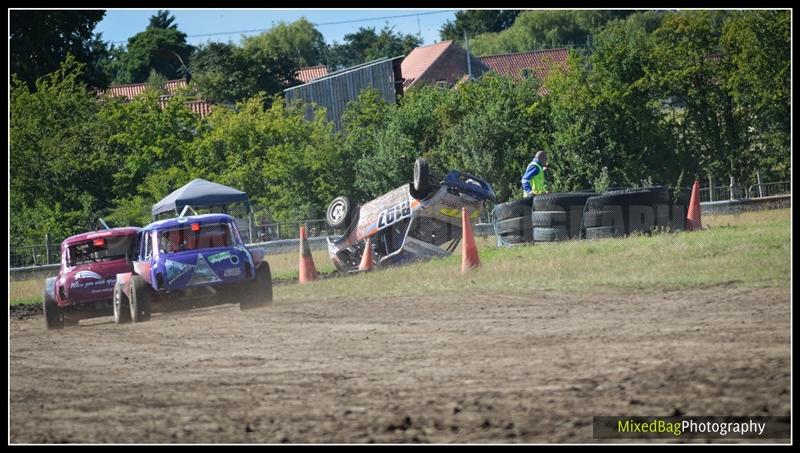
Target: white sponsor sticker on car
232, 271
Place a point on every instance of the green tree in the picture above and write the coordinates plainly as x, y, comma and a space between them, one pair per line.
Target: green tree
689, 73
756, 48
161, 49
533, 30
366, 45
60, 169
300, 40
474, 22
283, 161
41, 40
225, 72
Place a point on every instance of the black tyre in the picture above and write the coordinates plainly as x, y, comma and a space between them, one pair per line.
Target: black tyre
259, 294
548, 219
53, 317
513, 209
121, 306
518, 226
661, 194
558, 233
600, 232
422, 178
679, 208
560, 201
596, 218
140, 299
516, 239
340, 213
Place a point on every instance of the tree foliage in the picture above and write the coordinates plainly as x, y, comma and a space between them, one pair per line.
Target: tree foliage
474, 22
40, 40
227, 73
299, 40
366, 44
161, 47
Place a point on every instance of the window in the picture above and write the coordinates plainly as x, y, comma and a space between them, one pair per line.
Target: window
100, 249
194, 236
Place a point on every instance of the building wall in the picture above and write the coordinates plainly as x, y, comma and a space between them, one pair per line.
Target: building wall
335, 91
452, 66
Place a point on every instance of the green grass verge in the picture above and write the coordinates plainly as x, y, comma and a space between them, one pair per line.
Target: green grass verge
748, 249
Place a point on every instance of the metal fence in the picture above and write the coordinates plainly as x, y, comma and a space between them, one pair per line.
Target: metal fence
34, 255
769, 189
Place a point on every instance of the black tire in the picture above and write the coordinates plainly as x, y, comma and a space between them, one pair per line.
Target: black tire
518, 226
513, 209
339, 213
53, 317
121, 306
515, 239
259, 293
679, 208
422, 179
593, 219
560, 201
558, 233
633, 211
661, 194
548, 219
140, 299
600, 233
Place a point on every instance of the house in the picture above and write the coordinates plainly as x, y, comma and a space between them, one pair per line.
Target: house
443, 63
537, 63
131, 90
309, 73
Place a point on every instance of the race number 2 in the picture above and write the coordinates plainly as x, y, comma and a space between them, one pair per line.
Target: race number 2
394, 214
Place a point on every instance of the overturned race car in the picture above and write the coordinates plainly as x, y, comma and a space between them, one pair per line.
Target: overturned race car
415, 221
191, 257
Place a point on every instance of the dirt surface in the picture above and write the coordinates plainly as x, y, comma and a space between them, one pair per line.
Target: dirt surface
485, 369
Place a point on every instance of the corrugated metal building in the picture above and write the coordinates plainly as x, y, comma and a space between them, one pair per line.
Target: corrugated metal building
335, 90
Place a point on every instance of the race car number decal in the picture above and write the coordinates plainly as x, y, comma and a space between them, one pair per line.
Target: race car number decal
394, 214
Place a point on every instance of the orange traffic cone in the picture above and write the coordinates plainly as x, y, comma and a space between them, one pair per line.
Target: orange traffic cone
308, 272
367, 262
469, 249
693, 215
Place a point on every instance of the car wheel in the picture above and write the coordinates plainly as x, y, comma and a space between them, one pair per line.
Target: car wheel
260, 290
122, 313
53, 318
140, 300
422, 178
339, 213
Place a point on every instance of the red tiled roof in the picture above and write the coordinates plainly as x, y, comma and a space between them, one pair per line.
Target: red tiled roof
310, 73
132, 90
540, 62
420, 59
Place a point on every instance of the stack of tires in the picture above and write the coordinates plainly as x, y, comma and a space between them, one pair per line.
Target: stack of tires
558, 216
512, 222
624, 212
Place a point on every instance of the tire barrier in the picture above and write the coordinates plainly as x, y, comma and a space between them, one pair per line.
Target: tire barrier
512, 222
640, 210
555, 210
575, 215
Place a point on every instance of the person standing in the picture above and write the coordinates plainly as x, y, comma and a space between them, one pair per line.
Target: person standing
533, 182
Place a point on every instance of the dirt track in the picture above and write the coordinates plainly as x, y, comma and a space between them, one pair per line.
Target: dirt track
492, 368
